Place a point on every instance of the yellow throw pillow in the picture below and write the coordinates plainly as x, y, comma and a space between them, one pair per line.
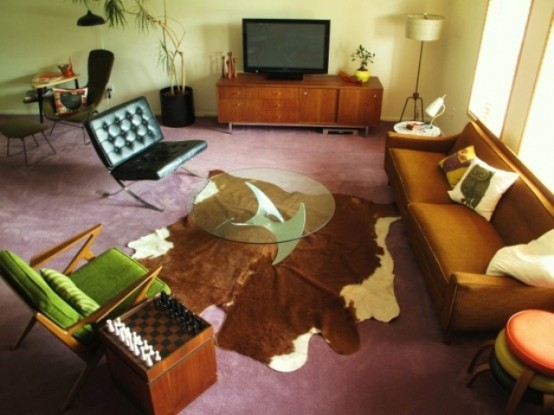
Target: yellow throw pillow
455, 165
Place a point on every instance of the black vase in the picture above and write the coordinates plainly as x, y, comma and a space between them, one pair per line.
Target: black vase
177, 110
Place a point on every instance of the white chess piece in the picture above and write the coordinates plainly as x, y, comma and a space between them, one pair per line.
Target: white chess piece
111, 327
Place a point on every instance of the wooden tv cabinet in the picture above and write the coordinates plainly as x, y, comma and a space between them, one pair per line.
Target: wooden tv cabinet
316, 100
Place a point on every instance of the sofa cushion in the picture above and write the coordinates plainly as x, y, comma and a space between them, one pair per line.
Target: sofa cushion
455, 165
125, 271
531, 263
457, 239
421, 179
481, 187
29, 284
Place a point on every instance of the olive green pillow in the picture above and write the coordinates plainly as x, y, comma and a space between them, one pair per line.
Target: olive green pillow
455, 165
66, 288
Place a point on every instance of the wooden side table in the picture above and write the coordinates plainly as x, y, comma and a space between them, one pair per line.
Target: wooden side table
186, 369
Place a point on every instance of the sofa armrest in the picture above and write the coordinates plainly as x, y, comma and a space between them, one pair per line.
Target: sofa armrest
441, 144
485, 302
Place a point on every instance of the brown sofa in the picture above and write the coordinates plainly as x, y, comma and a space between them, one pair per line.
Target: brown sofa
453, 244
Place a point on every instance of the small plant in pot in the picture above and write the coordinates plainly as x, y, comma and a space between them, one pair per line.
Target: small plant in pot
364, 57
176, 100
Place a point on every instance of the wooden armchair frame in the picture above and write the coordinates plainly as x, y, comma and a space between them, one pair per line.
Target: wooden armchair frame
90, 354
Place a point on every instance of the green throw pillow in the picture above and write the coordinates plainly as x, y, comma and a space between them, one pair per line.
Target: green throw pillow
66, 288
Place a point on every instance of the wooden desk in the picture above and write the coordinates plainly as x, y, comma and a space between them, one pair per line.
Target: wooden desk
45, 80
187, 368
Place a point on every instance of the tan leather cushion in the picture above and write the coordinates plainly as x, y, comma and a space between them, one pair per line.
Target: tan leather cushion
422, 180
458, 238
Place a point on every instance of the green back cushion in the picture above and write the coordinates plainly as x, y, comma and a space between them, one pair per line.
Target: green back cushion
32, 287
124, 271
66, 289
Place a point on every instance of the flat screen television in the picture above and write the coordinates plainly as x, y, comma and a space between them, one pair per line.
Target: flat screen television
286, 48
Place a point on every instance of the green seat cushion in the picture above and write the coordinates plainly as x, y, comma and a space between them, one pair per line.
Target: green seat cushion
66, 289
38, 294
110, 273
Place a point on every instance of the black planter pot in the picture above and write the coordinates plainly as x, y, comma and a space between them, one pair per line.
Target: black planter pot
177, 110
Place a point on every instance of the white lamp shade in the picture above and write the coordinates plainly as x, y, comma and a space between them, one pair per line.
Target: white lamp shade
436, 108
424, 27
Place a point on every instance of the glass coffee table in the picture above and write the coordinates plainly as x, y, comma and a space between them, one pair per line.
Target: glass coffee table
262, 206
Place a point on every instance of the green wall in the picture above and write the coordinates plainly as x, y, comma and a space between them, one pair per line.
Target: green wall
37, 35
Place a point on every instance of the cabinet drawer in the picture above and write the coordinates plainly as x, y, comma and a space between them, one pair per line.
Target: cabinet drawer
238, 93
278, 105
277, 93
237, 110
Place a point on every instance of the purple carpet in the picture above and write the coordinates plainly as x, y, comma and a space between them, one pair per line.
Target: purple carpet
402, 367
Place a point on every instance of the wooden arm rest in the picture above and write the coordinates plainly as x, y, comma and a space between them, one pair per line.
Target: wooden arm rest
143, 284
84, 253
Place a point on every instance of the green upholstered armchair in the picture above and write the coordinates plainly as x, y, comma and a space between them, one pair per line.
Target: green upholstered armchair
73, 303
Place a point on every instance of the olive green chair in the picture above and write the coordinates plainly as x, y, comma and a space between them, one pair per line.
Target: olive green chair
74, 303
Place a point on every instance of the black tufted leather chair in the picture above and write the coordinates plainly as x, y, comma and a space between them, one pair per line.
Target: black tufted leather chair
130, 143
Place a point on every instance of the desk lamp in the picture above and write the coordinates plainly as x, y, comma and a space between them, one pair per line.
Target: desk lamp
435, 109
424, 28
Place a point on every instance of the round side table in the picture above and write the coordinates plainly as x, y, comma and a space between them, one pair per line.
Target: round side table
417, 128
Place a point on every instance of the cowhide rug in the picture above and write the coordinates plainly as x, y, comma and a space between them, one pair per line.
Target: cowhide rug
334, 279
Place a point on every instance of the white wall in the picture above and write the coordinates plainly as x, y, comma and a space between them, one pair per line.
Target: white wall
37, 35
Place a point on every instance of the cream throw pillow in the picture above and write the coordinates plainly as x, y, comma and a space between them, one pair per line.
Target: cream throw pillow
531, 263
481, 187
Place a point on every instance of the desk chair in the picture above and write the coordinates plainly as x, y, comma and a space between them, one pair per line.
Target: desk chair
100, 63
72, 304
129, 141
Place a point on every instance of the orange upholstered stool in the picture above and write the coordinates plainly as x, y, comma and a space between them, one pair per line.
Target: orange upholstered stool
530, 337
522, 359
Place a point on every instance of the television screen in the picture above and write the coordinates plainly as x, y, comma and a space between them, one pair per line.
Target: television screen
287, 48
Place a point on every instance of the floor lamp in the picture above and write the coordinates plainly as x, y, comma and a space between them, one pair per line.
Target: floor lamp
423, 28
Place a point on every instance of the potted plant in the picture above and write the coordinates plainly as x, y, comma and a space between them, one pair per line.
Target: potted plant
177, 103
363, 56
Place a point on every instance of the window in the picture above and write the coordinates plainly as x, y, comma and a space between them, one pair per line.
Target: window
497, 62
537, 145
513, 89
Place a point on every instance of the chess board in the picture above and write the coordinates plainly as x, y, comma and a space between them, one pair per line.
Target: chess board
165, 323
